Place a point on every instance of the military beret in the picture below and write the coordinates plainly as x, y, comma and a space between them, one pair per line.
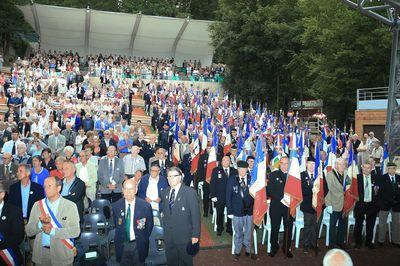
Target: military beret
242, 164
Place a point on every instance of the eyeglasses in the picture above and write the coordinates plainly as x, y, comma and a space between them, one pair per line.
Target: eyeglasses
170, 176
6, 158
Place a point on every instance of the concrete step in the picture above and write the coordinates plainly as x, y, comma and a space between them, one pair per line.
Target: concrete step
137, 103
146, 120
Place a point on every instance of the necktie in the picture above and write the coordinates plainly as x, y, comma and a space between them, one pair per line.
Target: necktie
312, 176
162, 164
243, 185
128, 223
393, 182
172, 199
366, 190
13, 149
7, 173
226, 172
110, 169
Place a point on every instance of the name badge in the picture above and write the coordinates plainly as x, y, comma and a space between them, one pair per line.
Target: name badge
119, 221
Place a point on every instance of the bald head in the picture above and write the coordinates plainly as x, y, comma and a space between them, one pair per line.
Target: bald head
337, 257
129, 189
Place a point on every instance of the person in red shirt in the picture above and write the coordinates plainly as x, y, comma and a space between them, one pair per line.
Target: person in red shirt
59, 164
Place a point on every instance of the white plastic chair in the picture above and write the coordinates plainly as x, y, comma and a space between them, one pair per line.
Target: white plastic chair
325, 222
375, 226
298, 225
200, 189
351, 222
254, 240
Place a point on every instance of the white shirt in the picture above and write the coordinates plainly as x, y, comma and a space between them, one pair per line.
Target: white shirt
84, 174
131, 229
367, 188
152, 192
1, 206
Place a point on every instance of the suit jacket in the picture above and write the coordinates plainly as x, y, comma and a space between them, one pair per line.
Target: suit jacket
111, 142
236, 204
163, 170
306, 189
50, 166
92, 172
61, 141
374, 193
67, 215
12, 231
76, 194
104, 178
12, 178
142, 212
335, 196
4, 137
27, 128
275, 188
144, 183
182, 222
87, 124
389, 194
202, 167
36, 193
70, 136
218, 183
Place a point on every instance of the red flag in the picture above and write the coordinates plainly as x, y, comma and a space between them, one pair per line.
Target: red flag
292, 192
351, 192
211, 163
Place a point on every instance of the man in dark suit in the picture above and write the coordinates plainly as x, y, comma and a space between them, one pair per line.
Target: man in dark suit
389, 200
107, 141
201, 179
310, 215
126, 112
278, 211
11, 231
219, 179
25, 192
87, 123
239, 204
8, 170
73, 188
24, 127
133, 219
162, 161
5, 135
149, 150
165, 139
181, 219
366, 207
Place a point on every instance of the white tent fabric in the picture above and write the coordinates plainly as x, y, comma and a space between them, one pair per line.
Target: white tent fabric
91, 32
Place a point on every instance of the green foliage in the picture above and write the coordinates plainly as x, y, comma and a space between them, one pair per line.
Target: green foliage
318, 48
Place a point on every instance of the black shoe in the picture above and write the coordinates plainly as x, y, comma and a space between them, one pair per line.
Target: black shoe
305, 250
219, 233
236, 257
316, 250
396, 245
247, 254
370, 246
272, 253
253, 257
289, 254
229, 232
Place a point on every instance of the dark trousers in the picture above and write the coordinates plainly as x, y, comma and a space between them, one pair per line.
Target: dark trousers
310, 230
277, 212
130, 255
337, 233
221, 218
176, 254
367, 212
206, 198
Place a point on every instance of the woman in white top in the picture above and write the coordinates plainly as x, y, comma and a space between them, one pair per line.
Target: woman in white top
79, 140
87, 172
362, 149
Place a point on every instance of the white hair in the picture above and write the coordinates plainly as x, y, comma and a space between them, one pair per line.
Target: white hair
69, 148
337, 257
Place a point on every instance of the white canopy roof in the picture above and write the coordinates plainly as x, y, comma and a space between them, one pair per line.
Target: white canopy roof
90, 31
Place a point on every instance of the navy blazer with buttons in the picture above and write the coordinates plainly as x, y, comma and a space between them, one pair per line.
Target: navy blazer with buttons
36, 193
306, 189
142, 211
234, 202
76, 194
144, 183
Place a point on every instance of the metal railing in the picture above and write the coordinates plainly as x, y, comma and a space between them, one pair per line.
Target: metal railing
369, 94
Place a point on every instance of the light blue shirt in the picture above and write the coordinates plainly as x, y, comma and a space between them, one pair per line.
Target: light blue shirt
25, 198
66, 187
53, 206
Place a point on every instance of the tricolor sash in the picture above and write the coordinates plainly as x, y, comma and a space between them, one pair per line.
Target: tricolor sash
44, 208
8, 255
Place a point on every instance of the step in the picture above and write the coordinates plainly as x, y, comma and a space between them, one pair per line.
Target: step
138, 103
146, 120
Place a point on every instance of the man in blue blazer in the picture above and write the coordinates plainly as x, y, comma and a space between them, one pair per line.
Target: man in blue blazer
152, 193
25, 192
133, 220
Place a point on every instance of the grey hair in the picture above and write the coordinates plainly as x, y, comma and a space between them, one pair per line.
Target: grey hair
337, 257
176, 169
26, 167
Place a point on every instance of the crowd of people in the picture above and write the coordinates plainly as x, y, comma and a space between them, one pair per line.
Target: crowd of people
66, 142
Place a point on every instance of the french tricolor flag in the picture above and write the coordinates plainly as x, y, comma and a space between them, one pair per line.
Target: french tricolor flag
212, 156
195, 154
